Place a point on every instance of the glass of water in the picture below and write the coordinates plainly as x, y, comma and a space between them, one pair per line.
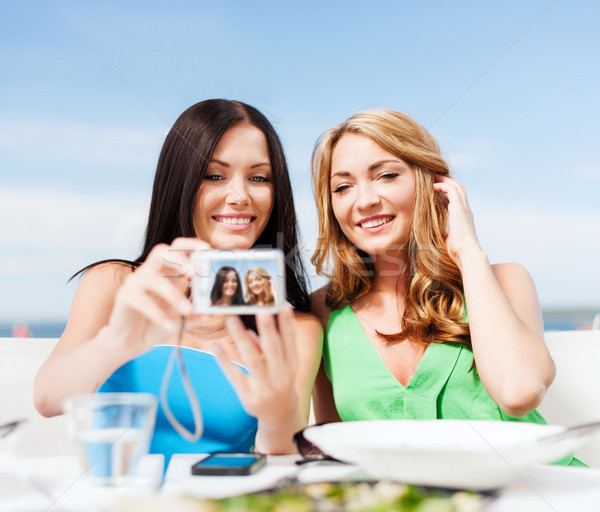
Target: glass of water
112, 432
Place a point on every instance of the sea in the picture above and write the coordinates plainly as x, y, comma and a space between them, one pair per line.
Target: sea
554, 320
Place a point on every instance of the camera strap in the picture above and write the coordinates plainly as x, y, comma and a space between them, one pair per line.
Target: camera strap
189, 391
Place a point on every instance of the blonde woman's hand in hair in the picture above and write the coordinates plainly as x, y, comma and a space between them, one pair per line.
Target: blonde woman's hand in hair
461, 236
151, 301
268, 391
505, 321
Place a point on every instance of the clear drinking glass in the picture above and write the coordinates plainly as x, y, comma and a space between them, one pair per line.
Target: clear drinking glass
112, 432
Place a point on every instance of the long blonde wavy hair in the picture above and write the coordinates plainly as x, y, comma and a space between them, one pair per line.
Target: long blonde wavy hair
434, 302
268, 297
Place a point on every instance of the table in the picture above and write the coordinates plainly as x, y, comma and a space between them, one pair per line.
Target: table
179, 480
551, 489
57, 484
538, 489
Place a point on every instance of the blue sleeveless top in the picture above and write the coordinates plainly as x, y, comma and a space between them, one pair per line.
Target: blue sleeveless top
227, 426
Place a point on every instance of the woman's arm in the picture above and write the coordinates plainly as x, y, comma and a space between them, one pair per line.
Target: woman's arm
309, 343
86, 354
116, 314
504, 315
507, 334
323, 403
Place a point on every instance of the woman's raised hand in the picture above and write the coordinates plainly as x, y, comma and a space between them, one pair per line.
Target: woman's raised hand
461, 237
151, 300
271, 360
268, 390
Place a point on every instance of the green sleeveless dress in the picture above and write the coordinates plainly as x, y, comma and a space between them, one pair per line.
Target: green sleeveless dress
442, 387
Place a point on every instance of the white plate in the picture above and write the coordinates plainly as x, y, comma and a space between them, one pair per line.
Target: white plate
460, 454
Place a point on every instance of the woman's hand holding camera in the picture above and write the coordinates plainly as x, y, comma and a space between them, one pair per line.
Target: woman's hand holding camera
151, 301
148, 308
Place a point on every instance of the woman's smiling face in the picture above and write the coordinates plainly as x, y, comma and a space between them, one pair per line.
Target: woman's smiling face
373, 194
230, 284
256, 283
235, 199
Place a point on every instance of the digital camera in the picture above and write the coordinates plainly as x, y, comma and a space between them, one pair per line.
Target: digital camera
238, 282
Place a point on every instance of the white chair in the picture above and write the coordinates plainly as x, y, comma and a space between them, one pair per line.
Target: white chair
574, 397
20, 359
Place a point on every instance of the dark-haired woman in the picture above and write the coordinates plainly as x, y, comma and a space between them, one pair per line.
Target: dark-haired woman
221, 181
419, 324
227, 290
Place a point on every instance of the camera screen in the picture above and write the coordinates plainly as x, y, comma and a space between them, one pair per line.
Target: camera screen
238, 282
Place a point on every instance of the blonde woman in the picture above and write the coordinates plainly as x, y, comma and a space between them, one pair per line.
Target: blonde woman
418, 324
259, 287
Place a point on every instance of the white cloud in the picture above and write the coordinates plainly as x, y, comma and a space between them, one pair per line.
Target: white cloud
42, 219
47, 236
87, 145
588, 174
558, 247
472, 154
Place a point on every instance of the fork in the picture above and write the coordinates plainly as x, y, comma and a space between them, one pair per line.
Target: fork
7, 428
571, 432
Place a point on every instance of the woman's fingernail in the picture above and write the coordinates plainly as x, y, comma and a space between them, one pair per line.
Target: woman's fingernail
168, 325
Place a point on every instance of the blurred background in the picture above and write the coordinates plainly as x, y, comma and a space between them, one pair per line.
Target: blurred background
88, 91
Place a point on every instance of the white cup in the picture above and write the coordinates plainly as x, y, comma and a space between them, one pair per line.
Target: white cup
112, 432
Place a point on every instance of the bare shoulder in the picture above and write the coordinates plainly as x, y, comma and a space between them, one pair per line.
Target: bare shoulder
511, 275
109, 274
318, 307
519, 289
100, 283
93, 302
510, 269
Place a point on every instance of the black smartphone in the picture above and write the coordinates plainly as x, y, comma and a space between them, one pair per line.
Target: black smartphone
234, 464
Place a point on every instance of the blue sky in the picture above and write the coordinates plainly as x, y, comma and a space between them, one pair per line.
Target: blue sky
88, 91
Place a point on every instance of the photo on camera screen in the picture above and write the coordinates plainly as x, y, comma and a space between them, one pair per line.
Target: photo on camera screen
238, 282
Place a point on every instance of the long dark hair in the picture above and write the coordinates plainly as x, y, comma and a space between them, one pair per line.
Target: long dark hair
216, 294
182, 164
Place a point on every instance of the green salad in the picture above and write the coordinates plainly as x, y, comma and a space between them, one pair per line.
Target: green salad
319, 497
353, 497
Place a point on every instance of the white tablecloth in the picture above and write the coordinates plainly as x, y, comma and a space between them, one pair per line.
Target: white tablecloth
551, 489
57, 484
